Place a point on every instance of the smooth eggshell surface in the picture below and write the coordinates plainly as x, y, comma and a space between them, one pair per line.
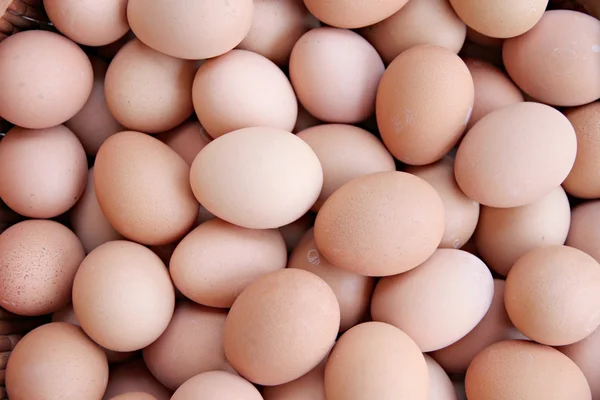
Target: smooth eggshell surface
585, 354
352, 13
310, 386
217, 385
134, 396
187, 140
584, 232
440, 385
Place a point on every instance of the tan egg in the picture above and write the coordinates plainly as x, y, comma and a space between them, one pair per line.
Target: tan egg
424, 102
517, 369
584, 232
500, 19
494, 327
353, 291
380, 224
585, 354
217, 385
493, 89
374, 360
45, 79
281, 326
515, 155
310, 386
304, 120
94, 123
558, 61
292, 233
89, 22
345, 152
123, 296
133, 377
584, 179
483, 40
187, 140
418, 22
192, 344
450, 293
242, 89
276, 27
551, 295
191, 29
135, 396
440, 385
258, 178
461, 212
143, 189
38, 260
335, 73
353, 13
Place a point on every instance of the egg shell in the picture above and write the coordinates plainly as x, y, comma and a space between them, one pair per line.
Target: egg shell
440, 385
585, 354
38, 259
335, 73
558, 61
281, 326
133, 377
216, 385
292, 233
310, 386
135, 396
424, 102
584, 233
67, 365
515, 155
43, 171
123, 296
352, 13
345, 152
187, 140
258, 178
45, 79
516, 369
380, 224
551, 295
374, 360
143, 189
191, 29
419, 22
304, 120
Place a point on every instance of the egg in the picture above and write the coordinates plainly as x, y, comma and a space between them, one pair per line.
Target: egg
555, 64
335, 73
584, 233
424, 101
585, 354
353, 13
483, 40
187, 140
515, 155
310, 386
123, 296
216, 385
304, 120
45, 79
257, 178
292, 233
133, 377
380, 224
191, 29
374, 360
440, 385
517, 369
39, 260
135, 396
281, 326
419, 22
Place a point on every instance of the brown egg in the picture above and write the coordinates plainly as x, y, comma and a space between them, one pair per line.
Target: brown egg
89, 22
380, 224
43, 171
585, 354
353, 13
500, 19
292, 233
242, 89
94, 123
143, 189
515, 155
461, 212
191, 29
494, 327
276, 27
258, 178
449, 295
551, 295
310, 386
584, 179
483, 40
134, 377
149, 91
517, 369
217, 385
123, 296
440, 385
493, 89
418, 22
584, 232
424, 102
558, 61
38, 260
353, 291
335, 73
192, 344
45, 79
134, 396
374, 360
187, 140
345, 152
281, 326
56, 361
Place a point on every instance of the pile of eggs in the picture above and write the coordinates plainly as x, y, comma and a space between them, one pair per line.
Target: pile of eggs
303, 200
